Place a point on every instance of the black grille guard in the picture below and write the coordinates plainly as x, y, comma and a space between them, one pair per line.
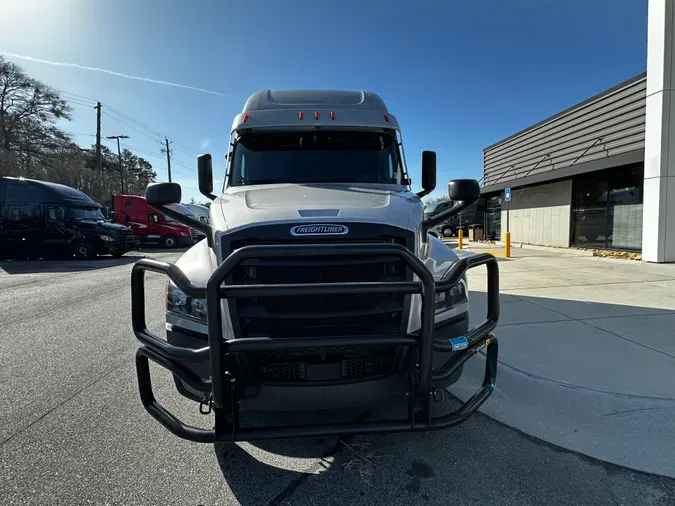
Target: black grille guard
222, 385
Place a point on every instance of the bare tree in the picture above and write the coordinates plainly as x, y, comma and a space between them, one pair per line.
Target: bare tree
24, 100
32, 146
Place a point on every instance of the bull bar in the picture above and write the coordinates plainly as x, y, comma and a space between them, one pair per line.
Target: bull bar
223, 382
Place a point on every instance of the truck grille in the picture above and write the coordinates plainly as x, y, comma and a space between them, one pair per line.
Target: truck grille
326, 364
322, 315
124, 240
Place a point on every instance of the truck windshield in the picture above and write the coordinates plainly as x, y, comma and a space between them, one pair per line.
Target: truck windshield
316, 157
430, 210
86, 213
168, 219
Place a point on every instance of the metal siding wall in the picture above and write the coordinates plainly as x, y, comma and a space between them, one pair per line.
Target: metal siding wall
618, 117
540, 214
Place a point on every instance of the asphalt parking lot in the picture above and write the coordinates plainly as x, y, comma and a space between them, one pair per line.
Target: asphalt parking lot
73, 431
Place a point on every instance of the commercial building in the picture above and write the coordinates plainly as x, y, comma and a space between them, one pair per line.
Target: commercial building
600, 174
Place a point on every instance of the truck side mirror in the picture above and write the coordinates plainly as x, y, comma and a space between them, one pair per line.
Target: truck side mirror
160, 194
205, 175
428, 173
462, 193
464, 190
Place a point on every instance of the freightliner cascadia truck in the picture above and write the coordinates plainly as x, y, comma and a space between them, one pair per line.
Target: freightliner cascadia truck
318, 286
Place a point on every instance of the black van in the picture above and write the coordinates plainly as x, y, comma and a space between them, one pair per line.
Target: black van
472, 215
38, 218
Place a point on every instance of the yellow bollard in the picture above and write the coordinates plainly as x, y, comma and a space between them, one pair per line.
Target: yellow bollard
459, 239
507, 245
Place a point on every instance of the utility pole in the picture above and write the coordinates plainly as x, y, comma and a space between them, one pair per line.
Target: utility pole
98, 138
119, 157
168, 157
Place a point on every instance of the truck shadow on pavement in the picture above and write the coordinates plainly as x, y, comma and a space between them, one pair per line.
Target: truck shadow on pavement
49, 265
69, 264
272, 472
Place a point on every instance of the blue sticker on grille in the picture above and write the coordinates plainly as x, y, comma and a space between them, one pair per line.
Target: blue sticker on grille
459, 343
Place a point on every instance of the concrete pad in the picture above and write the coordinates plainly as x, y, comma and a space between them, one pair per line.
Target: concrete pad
602, 301
542, 278
655, 331
586, 355
580, 355
628, 431
554, 272
514, 311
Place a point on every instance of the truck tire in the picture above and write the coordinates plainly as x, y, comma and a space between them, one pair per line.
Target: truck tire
169, 241
84, 250
448, 231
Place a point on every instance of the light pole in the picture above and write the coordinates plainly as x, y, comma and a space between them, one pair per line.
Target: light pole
119, 157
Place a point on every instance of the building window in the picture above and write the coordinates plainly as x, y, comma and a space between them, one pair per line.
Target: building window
607, 209
624, 208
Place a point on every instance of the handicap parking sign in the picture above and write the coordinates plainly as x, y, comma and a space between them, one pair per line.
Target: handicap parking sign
507, 194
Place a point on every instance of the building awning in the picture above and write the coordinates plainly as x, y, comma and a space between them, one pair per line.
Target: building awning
637, 156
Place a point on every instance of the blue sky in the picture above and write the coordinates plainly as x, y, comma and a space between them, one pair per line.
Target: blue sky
458, 75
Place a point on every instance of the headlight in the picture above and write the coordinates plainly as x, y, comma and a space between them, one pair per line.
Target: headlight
178, 302
452, 298
106, 238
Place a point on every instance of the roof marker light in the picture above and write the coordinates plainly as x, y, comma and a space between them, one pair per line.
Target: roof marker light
332, 115
245, 118
386, 118
301, 115
316, 115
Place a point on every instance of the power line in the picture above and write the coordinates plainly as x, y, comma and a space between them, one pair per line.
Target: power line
135, 149
149, 136
126, 123
82, 104
134, 124
187, 150
123, 118
158, 154
76, 95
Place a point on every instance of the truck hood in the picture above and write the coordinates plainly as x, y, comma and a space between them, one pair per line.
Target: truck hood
307, 203
102, 227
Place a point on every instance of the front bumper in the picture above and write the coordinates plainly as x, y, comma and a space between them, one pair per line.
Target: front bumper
121, 244
227, 382
186, 333
184, 240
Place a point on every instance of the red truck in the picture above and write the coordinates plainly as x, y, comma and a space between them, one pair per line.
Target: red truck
149, 225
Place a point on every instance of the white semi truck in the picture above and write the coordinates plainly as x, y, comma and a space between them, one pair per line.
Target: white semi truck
318, 285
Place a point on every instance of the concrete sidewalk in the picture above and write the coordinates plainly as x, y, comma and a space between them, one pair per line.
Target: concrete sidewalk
587, 355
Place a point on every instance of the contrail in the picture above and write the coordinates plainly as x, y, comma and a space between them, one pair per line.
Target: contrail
112, 72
